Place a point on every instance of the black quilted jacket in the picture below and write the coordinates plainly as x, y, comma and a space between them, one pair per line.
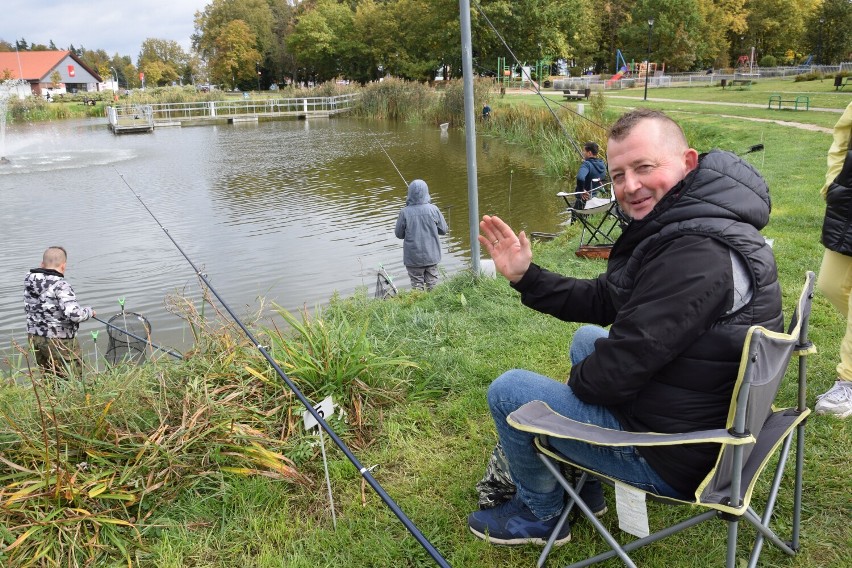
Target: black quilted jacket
837, 226
671, 358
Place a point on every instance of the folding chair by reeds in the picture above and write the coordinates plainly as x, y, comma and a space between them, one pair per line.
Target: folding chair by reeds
754, 432
600, 216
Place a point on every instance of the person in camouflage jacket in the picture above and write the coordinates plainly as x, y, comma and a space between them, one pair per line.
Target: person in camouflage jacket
54, 315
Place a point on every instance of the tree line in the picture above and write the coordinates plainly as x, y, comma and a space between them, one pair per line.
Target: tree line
250, 43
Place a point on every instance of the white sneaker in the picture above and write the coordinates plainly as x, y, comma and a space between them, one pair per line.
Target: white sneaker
837, 401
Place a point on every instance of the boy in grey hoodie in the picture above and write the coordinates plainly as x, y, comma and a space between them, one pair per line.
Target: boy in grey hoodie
419, 224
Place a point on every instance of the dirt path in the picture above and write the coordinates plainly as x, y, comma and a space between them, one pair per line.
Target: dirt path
812, 127
789, 123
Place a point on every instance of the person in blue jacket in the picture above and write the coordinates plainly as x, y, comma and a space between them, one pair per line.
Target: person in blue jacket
591, 174
419, 224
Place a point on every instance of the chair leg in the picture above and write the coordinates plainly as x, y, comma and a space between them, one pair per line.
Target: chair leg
797, 494
755, 521
731, 558
616, 547
542, 558
772, 497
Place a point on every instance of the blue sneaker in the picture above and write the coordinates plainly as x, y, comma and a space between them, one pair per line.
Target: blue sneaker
513, 523
592, 494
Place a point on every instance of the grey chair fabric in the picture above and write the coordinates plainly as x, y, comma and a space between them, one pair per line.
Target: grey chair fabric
600, 217
753, 434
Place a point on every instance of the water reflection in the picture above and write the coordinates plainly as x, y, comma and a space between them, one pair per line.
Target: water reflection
290, 211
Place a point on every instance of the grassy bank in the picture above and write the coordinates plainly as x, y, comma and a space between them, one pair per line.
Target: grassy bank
205, 464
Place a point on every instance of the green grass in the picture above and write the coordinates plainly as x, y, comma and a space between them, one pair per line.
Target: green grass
716, 102
430, 448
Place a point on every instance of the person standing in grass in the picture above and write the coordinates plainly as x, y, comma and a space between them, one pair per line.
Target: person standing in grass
54, 315
835, 274
419, 224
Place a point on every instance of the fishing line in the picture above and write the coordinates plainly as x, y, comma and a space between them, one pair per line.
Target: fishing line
379, 142
134, 336
537, 90
365, 473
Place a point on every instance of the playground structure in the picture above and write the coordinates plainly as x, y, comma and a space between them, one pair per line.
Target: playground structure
746, 67
632, 69
512, 77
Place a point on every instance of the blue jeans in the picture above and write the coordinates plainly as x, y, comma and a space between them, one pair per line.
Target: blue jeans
536, 486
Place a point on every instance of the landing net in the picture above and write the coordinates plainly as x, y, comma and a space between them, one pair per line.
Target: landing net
384, 285
123, 347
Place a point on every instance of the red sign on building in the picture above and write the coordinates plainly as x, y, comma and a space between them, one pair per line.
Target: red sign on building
70, 70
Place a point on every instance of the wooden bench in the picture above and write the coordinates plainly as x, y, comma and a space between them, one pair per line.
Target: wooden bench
743, 83
799, 100
576, 95
841, 82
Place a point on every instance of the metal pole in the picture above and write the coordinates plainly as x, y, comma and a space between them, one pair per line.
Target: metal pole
648, 63
470, 135
819, 42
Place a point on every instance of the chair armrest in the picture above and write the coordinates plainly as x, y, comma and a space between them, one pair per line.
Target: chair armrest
596, 209
536, 417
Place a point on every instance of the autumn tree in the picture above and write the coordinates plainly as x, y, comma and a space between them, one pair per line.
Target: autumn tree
319, 38
280, 60
776, 26
234, 56
827, 33
97, 60
257, 15
162, 61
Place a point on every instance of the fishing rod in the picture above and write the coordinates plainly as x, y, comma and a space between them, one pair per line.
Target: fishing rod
365, 472
134, 336
537, 90
379, 142
755, 148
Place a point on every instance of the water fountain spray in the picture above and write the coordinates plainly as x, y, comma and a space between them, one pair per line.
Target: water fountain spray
8, 89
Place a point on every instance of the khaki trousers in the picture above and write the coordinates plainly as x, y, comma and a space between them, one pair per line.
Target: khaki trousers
835, 281
60, 357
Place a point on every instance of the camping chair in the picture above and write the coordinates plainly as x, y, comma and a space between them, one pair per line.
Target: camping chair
600, 217
754, 430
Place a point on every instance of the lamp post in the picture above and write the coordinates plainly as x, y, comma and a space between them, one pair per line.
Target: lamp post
257, 68
114, 85
819, 41
648, 63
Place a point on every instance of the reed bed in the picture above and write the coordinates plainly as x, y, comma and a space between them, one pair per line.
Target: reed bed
89, 469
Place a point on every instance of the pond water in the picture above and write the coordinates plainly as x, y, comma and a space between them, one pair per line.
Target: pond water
287, 211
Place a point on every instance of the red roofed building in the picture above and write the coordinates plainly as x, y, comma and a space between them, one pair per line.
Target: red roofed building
36, 67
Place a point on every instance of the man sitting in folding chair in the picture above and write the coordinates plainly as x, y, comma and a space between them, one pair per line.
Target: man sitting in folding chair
600, 217
686, 279
590, 176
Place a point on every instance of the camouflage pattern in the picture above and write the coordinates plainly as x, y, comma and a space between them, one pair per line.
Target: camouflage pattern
60, 357
51, 305
496, 486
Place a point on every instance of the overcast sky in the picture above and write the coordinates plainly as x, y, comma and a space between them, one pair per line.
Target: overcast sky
116, 26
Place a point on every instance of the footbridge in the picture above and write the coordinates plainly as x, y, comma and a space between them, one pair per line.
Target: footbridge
144, 118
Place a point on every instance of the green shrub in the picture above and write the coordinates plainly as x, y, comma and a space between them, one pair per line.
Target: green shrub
330, 356
811, 76
768, 61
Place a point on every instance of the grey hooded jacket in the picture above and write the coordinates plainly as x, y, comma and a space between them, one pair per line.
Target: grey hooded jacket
419, 224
